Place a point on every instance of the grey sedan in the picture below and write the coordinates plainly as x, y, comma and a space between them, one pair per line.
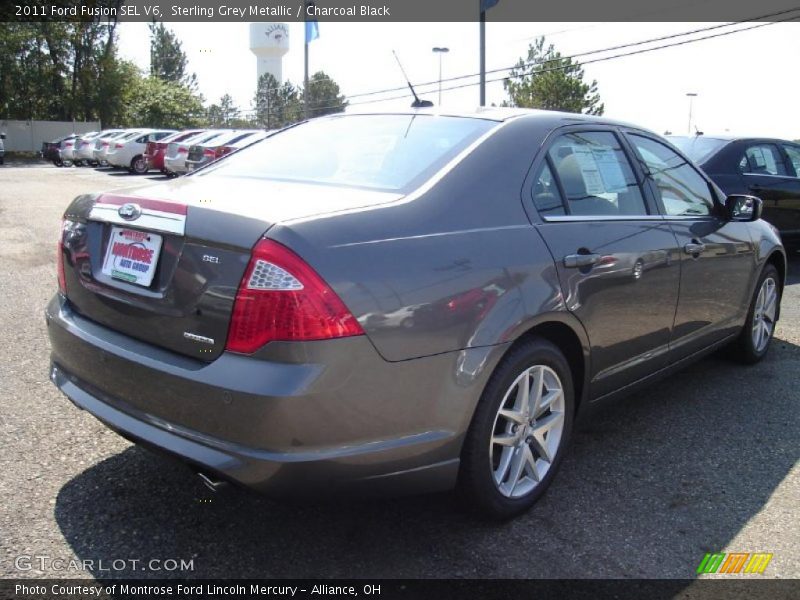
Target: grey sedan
405, 302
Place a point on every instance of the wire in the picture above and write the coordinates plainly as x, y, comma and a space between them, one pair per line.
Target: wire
579, 64
586, 53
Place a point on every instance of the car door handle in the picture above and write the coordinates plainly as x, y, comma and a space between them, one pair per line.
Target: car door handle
694, 248
575, 261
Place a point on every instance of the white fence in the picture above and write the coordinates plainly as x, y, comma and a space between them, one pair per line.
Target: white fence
27, 136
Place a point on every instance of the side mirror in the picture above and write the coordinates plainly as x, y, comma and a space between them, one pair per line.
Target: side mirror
743, 208
2, 136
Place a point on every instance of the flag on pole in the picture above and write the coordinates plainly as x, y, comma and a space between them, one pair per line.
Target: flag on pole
312, 26
487, 4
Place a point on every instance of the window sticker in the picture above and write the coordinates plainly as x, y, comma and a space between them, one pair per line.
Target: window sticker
600, 169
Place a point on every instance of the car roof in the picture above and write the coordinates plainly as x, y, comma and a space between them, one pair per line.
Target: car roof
500, 114
734, 138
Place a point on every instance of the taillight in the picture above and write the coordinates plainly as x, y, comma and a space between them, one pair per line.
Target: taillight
182, 150
119, 145
105, 144
283, 298
209, 152
222, 150
62, 278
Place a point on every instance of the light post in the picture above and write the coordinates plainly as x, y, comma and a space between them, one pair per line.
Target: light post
440, 51
691, 96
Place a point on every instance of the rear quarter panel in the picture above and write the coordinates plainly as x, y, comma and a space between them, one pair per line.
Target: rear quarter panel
454, 266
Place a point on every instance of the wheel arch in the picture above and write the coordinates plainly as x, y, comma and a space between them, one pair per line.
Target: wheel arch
565, 332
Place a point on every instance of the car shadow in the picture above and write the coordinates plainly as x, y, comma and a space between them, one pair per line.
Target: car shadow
648, 486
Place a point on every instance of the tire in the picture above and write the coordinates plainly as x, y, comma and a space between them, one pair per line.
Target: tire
139, 165
486, 476
749, 348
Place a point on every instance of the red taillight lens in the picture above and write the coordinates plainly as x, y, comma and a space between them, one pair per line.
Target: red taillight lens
222, 150
209, 152
119, 145
62, 278
282, 298
182, 150
105, 144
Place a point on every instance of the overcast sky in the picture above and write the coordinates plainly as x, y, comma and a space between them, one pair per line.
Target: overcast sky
746, 82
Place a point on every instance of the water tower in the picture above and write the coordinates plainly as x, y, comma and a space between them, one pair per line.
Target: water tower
269, 42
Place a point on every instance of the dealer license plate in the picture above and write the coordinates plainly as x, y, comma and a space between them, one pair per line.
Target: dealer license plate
132, 255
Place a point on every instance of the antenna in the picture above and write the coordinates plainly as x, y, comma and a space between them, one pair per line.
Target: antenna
417, 102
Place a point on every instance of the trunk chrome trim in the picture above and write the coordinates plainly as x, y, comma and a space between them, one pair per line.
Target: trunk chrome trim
152, 220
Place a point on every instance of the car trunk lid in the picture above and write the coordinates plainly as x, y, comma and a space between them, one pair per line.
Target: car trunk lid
163, 264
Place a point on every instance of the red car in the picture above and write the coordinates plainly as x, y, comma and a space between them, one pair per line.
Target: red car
154, 151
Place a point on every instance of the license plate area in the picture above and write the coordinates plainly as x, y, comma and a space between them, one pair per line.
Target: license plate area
132, 255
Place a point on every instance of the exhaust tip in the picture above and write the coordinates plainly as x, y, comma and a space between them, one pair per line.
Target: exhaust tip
212, 483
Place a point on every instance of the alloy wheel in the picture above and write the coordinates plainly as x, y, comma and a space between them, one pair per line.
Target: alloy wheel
527, 431
764, 314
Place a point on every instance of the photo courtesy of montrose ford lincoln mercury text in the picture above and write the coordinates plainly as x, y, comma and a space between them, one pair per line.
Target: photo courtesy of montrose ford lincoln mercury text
404, 302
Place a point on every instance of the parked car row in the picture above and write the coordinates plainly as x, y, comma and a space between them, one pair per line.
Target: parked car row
143, 149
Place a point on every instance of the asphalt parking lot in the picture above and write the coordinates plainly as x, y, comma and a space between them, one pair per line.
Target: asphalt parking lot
705, 461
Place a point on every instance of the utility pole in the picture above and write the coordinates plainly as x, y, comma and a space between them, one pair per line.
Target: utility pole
691, 96
440, 50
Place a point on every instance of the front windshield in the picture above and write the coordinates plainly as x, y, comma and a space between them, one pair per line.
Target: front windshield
697, 147
384, 152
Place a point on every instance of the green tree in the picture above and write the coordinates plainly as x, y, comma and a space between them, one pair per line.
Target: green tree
547, 80
56, 71
277, 105
226, 113
168, 61
323, 96
157, 103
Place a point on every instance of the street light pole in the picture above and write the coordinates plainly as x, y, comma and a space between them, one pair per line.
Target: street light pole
691, 96
440, 50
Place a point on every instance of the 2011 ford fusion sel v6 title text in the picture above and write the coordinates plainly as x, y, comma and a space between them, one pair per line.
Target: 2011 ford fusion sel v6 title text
404, 302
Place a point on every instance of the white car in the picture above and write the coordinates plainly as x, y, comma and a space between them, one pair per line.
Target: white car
67, 148
2, 148
128, 152
175, 156
103, 143
83, 152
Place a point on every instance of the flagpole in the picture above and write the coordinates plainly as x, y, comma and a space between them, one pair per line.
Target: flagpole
305, 82
483, 57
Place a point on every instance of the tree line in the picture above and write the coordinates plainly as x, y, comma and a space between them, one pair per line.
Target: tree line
73, 71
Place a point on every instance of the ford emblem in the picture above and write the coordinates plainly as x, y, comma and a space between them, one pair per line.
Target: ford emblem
130, 211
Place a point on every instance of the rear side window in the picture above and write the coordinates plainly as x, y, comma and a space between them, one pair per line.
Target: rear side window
682, 190
794, 157
763, 159
595, 175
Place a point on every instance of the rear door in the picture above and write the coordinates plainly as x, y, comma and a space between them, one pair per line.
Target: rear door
790, 207
716, 255
768, 174
612, 252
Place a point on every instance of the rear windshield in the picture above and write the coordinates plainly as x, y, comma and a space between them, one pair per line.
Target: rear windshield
697, 147
383, 152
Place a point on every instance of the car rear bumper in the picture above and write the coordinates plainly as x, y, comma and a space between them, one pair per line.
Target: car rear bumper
175, 165
329, 415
